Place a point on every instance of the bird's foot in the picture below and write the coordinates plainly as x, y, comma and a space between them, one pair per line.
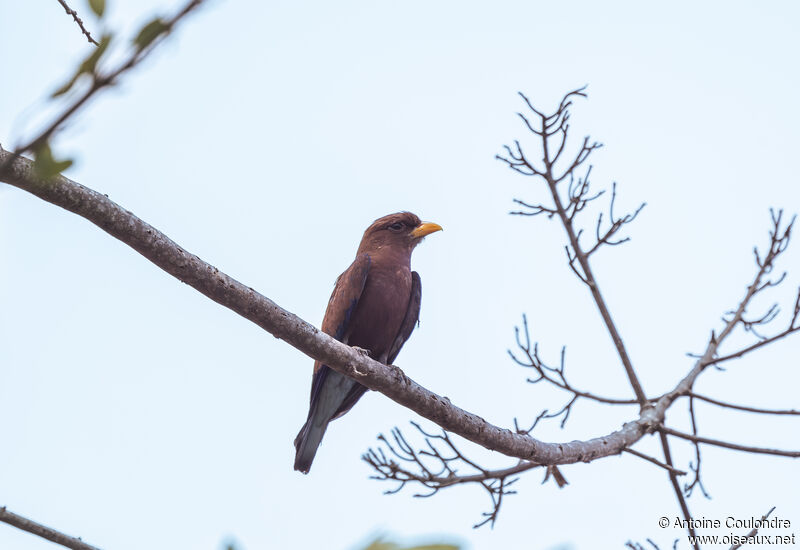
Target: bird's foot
406, 380
362, 351
365, 353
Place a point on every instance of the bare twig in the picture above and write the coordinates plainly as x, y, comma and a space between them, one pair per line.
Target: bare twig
754, 531
575, 252
578, 195
438, 466
553, 375
638, 545
555, 125
43, 531
616, 224
744, 408
657, 462
695, 466
676, 489
79, 21
728, 445
760, 344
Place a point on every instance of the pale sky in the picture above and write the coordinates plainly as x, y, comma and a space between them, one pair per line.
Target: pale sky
265, 137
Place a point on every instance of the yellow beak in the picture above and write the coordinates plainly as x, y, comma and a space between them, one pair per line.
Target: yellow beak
425, 228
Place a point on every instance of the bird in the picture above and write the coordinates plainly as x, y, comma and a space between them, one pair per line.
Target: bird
374, 307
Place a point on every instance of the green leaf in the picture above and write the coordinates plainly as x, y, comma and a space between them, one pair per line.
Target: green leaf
98, 7
66, 87
90, 62
45, 166
150, 32
87, 66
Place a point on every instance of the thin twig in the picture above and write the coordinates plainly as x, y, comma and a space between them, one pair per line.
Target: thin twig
438, 466
582, 257
79, 21
754, 531
757, 345
727, 444
676, 490
655, 461
695, 467
744, 408
545, 372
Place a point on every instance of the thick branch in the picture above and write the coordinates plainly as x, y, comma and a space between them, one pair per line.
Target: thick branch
43, 531
388, 380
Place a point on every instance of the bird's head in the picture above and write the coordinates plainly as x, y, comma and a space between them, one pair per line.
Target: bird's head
399, 232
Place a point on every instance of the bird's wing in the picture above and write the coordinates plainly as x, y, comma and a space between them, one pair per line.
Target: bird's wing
345, 296
410, 320
344, 299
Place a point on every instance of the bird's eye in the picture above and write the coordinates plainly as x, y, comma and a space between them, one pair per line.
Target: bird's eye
397, 226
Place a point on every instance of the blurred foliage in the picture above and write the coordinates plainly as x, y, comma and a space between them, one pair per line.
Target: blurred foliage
384, 545
379, 544
88, 65
150, 32
45, 165
98, 7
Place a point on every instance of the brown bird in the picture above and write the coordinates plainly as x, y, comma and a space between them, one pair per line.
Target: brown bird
374, 306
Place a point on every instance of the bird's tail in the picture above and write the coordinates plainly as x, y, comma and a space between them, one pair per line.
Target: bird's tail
307, 442
325, 402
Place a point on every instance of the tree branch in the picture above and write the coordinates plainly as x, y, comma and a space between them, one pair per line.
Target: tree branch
578, 197
651, 409
390, 380
43, 531
226, 291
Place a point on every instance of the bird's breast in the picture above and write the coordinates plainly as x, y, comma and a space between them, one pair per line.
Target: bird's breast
380, 311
